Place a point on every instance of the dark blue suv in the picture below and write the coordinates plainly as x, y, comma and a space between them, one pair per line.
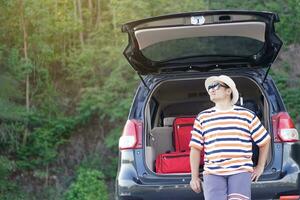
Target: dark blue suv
173, 56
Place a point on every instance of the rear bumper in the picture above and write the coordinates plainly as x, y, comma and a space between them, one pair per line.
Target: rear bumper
289, 184
129, 189
149, 192
133, 183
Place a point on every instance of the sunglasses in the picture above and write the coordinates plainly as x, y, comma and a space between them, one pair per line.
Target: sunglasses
216, 86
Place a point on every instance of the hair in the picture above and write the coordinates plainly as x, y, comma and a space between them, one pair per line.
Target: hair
231, 94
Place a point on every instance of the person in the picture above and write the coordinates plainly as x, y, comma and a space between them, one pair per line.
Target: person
225, 133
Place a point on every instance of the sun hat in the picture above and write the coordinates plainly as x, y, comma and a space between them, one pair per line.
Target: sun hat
228, 81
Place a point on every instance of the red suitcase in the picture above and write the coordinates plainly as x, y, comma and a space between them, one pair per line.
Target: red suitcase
174, 162
178, 161
182, 127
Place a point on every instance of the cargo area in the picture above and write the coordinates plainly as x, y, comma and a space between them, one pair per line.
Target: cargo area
171, 99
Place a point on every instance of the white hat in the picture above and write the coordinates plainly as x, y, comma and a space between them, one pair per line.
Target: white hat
228, 81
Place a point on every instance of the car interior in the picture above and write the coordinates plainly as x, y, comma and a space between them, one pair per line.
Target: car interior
187, 97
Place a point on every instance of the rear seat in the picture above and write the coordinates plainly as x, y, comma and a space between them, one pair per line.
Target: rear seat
161, 137
252, 105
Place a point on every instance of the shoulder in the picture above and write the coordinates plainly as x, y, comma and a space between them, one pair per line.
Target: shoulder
205, 112
243, 110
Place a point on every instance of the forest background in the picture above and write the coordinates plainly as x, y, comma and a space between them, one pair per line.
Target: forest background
66, 89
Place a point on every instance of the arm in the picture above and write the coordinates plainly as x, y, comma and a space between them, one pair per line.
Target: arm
261, 138
194, 161
196, 145
263, 153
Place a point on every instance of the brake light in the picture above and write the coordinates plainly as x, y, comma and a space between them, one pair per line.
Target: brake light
290, 197
284, 128
132, 135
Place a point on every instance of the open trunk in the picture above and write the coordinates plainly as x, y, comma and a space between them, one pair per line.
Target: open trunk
188, 97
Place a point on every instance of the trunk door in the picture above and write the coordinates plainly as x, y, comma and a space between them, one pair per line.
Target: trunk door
203, 41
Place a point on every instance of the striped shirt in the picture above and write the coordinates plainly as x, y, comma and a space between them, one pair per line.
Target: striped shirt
226, 137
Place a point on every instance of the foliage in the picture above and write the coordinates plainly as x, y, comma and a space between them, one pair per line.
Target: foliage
288, 12
8, 188
6, 166
289, 91
89, 185
112, 140
75, 71
292, 101
112, 143
105, 162
43, 141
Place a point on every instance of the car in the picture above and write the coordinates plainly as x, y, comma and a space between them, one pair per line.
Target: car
173, 55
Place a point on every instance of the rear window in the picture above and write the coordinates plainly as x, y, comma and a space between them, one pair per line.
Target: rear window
203, 47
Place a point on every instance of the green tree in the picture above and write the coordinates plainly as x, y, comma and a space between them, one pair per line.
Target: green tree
74, 72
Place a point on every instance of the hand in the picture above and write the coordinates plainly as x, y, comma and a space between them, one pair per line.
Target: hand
257, 172
196, 185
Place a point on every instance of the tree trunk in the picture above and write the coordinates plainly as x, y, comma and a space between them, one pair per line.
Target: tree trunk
91, 5
81, 23
114, 22
75, 9
91, 14
74, 35
98, 19
56, 6
25, 50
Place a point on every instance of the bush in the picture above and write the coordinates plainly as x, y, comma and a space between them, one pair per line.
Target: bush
89, 185
6, 166
9, 190
112, 139
289, 90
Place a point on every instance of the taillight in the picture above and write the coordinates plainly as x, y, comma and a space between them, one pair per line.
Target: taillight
284, 129
290, 197
132, 135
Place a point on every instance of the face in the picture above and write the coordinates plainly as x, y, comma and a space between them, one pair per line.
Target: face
219, 91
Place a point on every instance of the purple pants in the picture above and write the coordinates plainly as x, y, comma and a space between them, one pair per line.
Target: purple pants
230, 187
